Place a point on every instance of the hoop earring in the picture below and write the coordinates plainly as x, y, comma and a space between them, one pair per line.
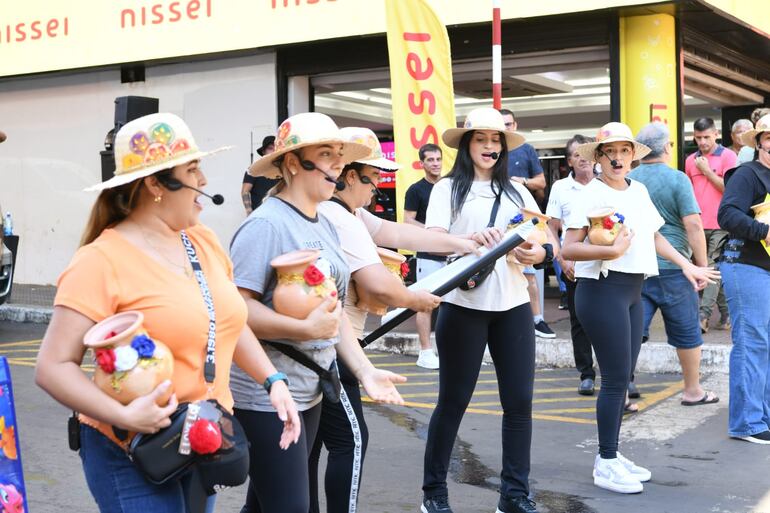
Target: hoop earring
158, 199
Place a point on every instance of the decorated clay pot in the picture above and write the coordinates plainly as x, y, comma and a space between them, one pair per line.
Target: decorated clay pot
394, 263
604, 224
762, 212
304, 281
539, 235
129, 364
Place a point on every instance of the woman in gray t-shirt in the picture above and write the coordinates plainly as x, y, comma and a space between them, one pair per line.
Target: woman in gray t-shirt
310, 154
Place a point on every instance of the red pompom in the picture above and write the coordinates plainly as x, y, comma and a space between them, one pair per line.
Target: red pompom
205, 437
313, 276
608, 223
404, 269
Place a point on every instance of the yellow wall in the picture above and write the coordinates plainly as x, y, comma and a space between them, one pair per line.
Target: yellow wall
648, 63
751, 13
43, 35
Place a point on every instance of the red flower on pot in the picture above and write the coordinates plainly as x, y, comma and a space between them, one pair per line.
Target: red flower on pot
608, 223
404, 269
313, 276
105, 359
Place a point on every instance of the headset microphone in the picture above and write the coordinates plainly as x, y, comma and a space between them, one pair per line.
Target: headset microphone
173, 184
614, 163
309, 165
494, 155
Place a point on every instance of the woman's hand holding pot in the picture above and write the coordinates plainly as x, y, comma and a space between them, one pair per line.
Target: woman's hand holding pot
143, 415
322, 323
529, 253
622, 242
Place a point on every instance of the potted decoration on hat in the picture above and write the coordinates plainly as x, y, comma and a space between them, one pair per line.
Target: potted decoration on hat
305, 280
604, 224
396, 264
129, 364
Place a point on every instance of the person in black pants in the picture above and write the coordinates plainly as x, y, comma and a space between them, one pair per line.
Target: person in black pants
609, 285
476, 199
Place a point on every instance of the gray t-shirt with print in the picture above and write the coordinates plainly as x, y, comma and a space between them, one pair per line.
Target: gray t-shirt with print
273, 229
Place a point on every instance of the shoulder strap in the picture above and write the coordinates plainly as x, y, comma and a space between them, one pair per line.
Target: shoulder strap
209, 368
495, 208
299, 357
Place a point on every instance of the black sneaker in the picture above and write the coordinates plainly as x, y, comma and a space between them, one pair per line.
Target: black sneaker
563, 302
522, 504
438, 504
543, 331
762, 438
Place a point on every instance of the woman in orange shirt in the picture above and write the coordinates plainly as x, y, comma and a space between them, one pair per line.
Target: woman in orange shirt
132, 258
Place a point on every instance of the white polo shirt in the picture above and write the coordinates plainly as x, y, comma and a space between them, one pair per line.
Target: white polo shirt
641, 217
506, 286
562, 198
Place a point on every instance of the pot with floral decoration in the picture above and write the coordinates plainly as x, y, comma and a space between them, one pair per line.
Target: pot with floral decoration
396, 264
762, 212
304, 281
604, 226
129, 364
539, 235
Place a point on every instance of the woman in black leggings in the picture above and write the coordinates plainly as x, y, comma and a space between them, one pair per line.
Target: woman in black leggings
495, 312
609, 287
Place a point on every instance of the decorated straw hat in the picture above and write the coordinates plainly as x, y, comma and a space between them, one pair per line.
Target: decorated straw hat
749, 137
307, 129
612, 132
360, 135
150, 144
483, 118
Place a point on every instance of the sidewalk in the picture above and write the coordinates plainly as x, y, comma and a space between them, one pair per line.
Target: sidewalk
34, 303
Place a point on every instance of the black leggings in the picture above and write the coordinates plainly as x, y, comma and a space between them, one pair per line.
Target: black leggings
610, 310
278, 479
344, 433
461, 334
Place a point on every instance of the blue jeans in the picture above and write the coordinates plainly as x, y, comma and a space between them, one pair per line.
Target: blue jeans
746, 289
118, 487
672, 293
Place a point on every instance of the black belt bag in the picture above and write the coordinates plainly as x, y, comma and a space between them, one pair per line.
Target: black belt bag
479, 276
329, 379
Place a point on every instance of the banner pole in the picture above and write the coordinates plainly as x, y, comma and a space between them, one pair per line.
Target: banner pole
497, 64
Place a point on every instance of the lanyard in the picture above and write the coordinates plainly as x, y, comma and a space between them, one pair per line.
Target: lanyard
209, 369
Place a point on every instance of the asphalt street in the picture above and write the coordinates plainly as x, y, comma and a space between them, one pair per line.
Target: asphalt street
696, 468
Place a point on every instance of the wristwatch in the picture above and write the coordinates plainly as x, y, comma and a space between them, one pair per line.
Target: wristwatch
548, 257
278, 376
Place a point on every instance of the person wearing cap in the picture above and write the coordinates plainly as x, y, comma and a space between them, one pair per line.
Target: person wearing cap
747, 153
745, 268
132, 257
496, 312
343, 428
310, 155
608, 297
254, 188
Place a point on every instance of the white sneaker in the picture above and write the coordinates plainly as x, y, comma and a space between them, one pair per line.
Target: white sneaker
641, 473
427, 359
614, 476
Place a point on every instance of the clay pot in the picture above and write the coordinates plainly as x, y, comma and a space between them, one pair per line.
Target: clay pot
597, 233
145, 374
392, 262
762, 212
294, 296
539, 235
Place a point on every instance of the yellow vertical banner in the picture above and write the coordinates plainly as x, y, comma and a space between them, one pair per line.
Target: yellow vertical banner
648, 63
421, 87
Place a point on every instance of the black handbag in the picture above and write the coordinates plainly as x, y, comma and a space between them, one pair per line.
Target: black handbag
329, 379
158, 456
479, 276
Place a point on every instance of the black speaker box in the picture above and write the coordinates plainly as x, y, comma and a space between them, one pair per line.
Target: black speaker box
128, 108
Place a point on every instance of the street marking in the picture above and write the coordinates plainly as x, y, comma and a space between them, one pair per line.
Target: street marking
666, 393
22, 343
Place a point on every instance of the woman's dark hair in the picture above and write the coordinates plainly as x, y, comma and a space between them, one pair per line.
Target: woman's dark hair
462, 174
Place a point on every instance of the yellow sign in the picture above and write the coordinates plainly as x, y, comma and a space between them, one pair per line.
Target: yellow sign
45, 35
648, 72
421, 87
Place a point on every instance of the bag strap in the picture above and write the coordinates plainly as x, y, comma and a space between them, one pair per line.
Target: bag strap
495, 208
209, 368
299, 357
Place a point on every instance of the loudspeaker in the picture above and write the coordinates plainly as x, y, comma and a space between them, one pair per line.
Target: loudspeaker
128, 108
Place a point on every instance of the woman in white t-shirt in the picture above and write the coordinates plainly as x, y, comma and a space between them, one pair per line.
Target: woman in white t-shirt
609, 287
496, 312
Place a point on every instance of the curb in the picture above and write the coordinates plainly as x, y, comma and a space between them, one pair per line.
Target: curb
25, 313
655, 357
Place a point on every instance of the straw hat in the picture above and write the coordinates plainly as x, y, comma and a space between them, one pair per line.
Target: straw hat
150, 144
307, 129
483, 118
360, 135
612, 132
749, 137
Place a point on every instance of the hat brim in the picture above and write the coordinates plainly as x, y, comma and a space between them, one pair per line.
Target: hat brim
129, 177
264, 167
749, 137
381, 163
452, 136
587, 150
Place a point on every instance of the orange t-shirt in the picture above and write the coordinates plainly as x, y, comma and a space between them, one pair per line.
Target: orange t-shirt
111, 275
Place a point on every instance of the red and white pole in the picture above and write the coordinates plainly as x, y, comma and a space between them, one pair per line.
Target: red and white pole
497, 63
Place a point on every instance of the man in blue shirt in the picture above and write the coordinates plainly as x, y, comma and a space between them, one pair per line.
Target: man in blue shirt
672, 194
524, 167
